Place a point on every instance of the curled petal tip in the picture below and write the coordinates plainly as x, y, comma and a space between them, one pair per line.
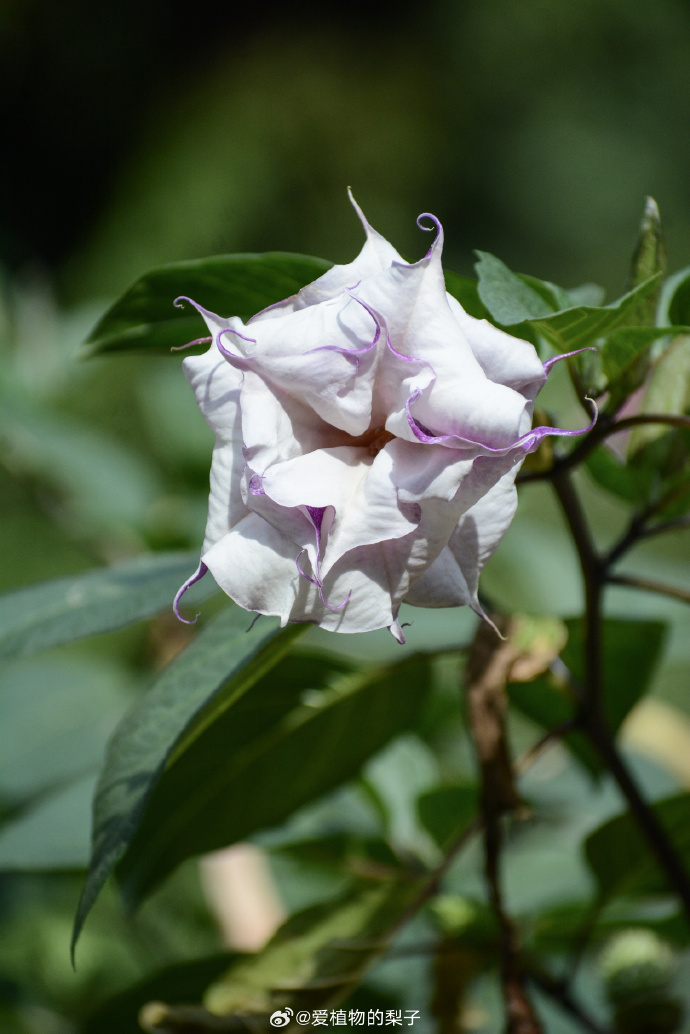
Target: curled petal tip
567, 355
396, 630
196, 577
436, 225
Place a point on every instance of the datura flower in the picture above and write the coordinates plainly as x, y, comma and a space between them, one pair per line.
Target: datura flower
368, 433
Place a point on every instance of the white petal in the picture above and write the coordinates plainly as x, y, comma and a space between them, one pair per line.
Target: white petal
505, 359
217, 389
452, 580
323, 355
377, 254
277, 427
255, 565
358, 487
459, 398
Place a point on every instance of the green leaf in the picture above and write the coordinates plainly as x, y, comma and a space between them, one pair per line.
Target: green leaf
51, 835
102, 480
623, 480
224, 656
60, 611
182, 982
668, 392
649, 259
630, 649
248, 763
446, 811
507, 296
620, 858
630, 653
674, 304
57, 715
521, 302
318, 954
622, 351
583, 325
144, 317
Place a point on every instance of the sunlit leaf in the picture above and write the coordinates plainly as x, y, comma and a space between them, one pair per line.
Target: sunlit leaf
145, 318
318, 954
224, 656
519, 302
648, 259
250, 761
59, 611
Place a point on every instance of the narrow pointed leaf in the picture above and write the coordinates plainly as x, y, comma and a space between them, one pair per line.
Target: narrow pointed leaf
648, 260
252, 761
223, 656
144, 318
59, 611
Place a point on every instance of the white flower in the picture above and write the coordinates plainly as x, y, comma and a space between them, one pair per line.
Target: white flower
368, 434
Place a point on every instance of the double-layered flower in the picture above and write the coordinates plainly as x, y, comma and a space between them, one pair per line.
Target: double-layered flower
368, 433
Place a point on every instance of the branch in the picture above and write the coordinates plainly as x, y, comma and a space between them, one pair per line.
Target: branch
592, 717
559, 993
605, 428
633, 582
488, 667
592, 575
655, 834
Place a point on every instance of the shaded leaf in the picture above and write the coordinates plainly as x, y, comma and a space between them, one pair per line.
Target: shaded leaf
249, 762
144, 317
183, 982
99, 601
318, 954
624, 358
224, 656
51, 835
101, 479
620, 858
344, 851
630, 652
668, 392
446, 811
624, 480
465, 290
674, 305
57, 715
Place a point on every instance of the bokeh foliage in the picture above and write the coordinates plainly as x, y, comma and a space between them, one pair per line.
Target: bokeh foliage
533, 131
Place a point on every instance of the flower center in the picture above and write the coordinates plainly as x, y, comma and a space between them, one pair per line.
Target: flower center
373, 440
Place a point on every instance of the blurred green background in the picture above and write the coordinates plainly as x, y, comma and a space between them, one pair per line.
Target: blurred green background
145, 132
